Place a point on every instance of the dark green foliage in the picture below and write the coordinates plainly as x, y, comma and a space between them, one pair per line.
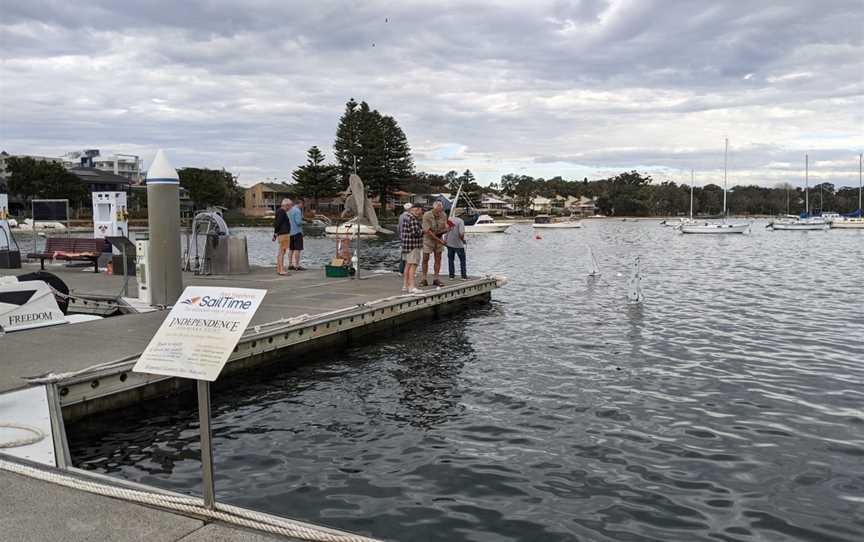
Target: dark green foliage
315, 179
30, 178
375, 146
211, 187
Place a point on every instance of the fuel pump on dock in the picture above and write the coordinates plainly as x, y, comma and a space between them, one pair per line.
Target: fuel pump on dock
111, 219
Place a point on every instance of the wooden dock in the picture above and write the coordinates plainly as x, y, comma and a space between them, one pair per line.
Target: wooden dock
301, 312
82, 369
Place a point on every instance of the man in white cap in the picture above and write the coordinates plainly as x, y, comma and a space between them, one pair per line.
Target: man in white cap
403, 218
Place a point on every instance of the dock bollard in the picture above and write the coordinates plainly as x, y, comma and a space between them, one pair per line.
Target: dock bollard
163, 217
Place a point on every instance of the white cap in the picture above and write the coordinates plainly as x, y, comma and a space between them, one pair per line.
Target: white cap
161, 171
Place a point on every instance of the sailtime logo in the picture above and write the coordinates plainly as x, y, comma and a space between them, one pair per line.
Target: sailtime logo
223, 301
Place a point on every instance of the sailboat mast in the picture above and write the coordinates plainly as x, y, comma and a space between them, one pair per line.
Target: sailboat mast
455, 201
725, 167
860, 185
692, 179
807, 184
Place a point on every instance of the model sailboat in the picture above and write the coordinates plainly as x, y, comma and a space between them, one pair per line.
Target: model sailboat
715, 227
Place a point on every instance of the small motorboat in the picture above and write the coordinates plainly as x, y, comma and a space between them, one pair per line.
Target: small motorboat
487, 224
799, 224
35, 302
678, 222
550, 222
848, 223
28, 225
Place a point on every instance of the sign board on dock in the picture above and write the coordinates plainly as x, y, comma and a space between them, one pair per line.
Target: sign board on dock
200, 332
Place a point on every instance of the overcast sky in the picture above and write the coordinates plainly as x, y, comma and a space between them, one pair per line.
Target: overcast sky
572, 88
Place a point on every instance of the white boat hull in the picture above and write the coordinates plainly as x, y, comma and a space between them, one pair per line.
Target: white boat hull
498, 227
714, 229
800, 226
27, 225
559, 225
854, 224
350, 229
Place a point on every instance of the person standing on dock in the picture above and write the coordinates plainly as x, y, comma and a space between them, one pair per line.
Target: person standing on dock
295, 241
403, 218
456, 247
434, 228
411, 235
282, 234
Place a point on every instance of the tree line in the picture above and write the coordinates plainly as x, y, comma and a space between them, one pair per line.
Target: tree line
635, 194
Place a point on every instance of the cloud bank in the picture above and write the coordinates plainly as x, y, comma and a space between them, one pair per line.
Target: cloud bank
571, 88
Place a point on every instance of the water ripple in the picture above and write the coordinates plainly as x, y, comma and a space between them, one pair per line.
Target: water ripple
728, 406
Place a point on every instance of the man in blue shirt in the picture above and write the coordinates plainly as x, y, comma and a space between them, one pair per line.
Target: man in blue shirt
295, 242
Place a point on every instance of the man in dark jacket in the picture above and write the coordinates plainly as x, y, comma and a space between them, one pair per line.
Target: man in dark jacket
282, 233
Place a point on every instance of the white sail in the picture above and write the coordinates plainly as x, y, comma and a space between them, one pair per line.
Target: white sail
593, 266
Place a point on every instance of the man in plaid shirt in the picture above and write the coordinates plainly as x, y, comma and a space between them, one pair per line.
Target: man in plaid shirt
412, 248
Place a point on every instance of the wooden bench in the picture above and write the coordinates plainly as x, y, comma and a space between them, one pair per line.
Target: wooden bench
77, 249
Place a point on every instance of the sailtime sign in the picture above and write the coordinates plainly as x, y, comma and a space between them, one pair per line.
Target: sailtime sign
200, 332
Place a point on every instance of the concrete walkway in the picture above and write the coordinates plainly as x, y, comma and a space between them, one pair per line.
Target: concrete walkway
36, 511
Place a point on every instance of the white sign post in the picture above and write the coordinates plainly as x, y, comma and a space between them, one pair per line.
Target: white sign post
195, 341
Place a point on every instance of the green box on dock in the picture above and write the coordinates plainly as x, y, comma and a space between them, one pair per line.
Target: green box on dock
333, 271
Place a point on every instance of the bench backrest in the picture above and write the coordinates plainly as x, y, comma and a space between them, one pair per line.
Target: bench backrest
74, 244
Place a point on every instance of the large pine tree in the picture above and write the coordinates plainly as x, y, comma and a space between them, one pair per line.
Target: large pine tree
347, 145
315, 179
376, 146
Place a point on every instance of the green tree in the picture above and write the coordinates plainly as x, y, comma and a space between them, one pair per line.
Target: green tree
347, 145
315, 179
375, 146
209, 187
33, 179
471, 191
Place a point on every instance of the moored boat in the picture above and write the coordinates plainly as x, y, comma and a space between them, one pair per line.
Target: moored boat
550, 222
487, 224
350, 227
713, 228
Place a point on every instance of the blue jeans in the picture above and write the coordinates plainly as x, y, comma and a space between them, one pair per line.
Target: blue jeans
451, 264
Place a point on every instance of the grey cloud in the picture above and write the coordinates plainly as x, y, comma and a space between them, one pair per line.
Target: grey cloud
517, 84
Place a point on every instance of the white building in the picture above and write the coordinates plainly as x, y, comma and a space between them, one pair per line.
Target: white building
541, 205
491, 202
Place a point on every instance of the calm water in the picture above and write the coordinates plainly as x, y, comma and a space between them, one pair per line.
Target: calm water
726, 407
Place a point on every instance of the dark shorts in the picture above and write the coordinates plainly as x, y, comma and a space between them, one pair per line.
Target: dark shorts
295, 242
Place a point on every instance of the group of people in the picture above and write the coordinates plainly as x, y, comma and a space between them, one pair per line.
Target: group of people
288, 231
424, 235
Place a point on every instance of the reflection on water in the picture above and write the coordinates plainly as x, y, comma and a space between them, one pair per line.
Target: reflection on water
727, 406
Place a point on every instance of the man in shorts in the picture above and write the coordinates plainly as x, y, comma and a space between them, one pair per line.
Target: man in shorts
295, 241
406, 214
411, 235
282, 233
434, 228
